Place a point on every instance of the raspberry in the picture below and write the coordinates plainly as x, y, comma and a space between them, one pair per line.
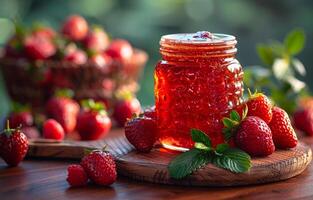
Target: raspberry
76, 176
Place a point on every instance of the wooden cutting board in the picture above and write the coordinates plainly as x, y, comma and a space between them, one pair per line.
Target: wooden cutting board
152, 167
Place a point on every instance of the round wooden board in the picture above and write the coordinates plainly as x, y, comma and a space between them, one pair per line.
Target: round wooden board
152, 167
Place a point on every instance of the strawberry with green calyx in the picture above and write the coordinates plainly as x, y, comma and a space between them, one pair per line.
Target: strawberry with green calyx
63, 109
93, 122
259, 105
223, 156
13, 145
20, 116
249, 133
125, 107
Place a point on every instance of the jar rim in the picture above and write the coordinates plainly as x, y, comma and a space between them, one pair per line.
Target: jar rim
198, 38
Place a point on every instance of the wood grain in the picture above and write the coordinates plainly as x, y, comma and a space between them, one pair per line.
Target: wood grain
152, 167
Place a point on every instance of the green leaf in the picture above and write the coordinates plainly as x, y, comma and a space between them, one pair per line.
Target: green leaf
221, 148
266, 54
234, 116
234, 160
294, 41
200, 137
188, 162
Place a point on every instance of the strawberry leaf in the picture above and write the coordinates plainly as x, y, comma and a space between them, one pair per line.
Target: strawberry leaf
233, 159
294, 41
188, 162
200, 137
221, 148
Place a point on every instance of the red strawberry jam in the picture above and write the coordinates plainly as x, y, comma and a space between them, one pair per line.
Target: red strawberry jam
197, 82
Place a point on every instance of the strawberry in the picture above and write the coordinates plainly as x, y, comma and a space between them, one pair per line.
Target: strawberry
150, 112
53, 130
13, 146
283, 133
23, 118
125, 107
75, 28
64, 110
78, 57
255, 137
250, 134
76, 176
259, 105
38, 47
97, 40
31, 132
43, 31
303, 120
120, 50
93, 122
141, 132
100, 167
101, 60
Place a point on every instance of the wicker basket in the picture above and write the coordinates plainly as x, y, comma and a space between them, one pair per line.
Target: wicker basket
27, 83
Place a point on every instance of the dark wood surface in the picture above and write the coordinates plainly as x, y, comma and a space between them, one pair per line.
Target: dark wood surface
45, 179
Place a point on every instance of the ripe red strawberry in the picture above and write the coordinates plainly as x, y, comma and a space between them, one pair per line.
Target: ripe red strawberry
64, 110
283, 133
23, 118
46, 32
120, 50
141, 132
100, 167
303, 120
93, 122
97, 40
254, 137
101, 60
259, 105
78, 57
39, 48
76, 176
53, 130
150, 112
75, 28
13, 146
125, 108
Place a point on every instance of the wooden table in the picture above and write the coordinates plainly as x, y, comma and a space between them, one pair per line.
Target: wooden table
45, 179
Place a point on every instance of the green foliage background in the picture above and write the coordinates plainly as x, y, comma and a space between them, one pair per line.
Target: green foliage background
143, 22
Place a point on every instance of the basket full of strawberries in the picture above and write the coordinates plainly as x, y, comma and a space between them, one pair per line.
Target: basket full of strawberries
81, 57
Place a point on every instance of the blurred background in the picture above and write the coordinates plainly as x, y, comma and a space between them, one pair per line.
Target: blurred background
143, 22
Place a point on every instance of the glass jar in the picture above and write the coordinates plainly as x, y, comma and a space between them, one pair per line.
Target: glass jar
197, 83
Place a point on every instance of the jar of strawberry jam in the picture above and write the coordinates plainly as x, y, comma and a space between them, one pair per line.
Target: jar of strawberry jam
197, 83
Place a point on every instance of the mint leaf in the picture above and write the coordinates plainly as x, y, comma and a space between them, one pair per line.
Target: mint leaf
294, 41
188, 162
200, 137
221, 148
266, 54
233, 159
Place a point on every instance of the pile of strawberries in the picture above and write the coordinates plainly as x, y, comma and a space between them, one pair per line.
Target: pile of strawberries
256, 126
63, 116
98, 166
77, 42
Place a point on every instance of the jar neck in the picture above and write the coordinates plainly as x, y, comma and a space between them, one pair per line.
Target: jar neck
180, 48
